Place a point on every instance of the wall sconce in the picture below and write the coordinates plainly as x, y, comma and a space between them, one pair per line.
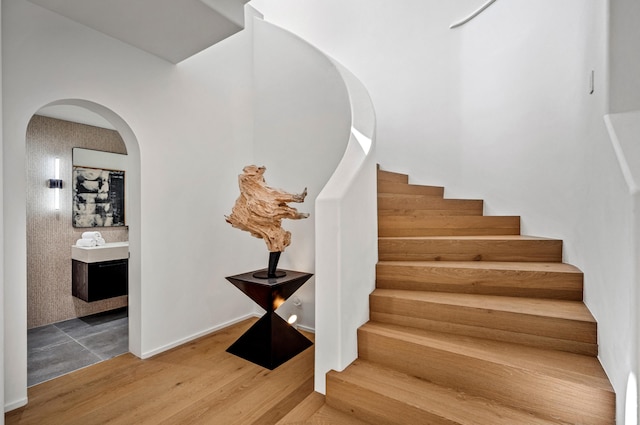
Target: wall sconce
56, 183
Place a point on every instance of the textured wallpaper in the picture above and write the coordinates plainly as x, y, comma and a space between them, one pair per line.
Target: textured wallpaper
50, 233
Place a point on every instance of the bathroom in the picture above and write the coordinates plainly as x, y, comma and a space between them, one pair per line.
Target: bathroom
66, 333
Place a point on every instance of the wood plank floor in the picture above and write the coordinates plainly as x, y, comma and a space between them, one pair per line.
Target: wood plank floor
196, 383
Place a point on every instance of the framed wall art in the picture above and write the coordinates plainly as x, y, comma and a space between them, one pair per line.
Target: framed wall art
98, 197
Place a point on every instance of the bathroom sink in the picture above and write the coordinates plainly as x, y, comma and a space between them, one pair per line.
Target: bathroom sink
95, 254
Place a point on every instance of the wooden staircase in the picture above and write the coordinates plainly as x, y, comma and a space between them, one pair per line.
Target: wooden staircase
470, 323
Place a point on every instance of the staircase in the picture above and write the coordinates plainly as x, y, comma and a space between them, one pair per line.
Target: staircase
470, 323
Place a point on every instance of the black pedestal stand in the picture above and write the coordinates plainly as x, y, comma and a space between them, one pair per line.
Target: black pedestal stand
271, 341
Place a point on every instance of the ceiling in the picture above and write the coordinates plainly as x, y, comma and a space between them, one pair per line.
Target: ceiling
171, 29
75, 114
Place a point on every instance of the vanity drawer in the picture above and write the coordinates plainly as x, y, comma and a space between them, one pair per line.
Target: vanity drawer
101, 280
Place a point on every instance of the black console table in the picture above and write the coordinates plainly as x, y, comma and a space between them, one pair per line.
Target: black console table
271, 341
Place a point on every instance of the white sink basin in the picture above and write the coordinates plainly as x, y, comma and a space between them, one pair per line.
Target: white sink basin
108, 252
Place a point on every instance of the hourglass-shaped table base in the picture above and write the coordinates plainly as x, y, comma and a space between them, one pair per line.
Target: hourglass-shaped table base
271, 341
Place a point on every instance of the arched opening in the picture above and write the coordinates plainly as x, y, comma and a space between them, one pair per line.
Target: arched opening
51, 231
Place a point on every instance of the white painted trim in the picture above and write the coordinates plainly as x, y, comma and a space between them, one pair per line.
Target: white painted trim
15, 405
151, 353
473, 15
307, 329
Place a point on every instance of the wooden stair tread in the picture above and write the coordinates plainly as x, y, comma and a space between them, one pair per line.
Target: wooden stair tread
543, 323
570, 367
418, 196
509, 278
327, 415
411, 203
447, 210
443, 225
392, 176
314, 411
432, 200
475, 237
533, 334
409, 189
425, 401
550, 267
304, 410
570, 310
470, 248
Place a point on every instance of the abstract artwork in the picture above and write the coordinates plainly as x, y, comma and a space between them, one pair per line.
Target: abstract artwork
98, 197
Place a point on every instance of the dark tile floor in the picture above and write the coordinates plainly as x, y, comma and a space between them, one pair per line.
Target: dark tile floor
60, 348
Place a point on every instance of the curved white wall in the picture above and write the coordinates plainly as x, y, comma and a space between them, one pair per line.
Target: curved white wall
301, 129
309, 115
347, 241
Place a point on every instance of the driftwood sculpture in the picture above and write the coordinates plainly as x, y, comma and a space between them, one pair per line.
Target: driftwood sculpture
260, 209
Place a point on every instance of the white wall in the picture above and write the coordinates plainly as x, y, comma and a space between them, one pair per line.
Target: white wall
2, 297
500, 109
623, 55
528, 118
301, 129
407, 58
192, 124
624, 96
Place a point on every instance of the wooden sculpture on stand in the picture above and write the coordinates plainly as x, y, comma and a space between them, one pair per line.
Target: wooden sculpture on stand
260, 209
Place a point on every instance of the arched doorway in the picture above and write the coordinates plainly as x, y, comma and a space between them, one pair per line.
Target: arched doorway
81, 109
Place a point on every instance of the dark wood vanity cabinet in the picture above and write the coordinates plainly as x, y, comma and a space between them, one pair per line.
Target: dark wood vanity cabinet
101, 280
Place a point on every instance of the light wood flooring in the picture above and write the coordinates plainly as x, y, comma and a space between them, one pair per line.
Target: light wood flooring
196, 383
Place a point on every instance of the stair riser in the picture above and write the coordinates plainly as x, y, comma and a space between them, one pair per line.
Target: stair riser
409, 189
389, 176
517, 387
416, 202
513, 283
400, 398
419, 214
534, 325
304, 410
398, 249
447, 226
374, 407
529, 340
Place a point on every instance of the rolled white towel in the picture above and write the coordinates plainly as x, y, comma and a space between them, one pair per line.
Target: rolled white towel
86, 242
91, 235
99, 241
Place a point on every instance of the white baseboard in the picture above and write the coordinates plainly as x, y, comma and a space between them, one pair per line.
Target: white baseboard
307, 329
16, 404
151, 353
